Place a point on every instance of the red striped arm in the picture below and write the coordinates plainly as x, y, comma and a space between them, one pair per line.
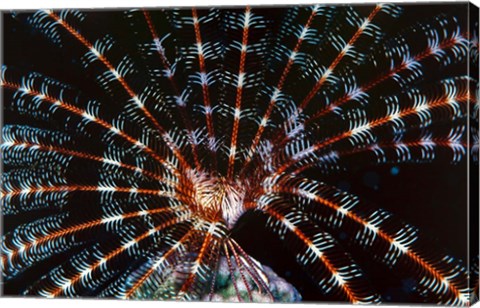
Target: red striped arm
31, 146
330, 267
25, 87
169, 73
278, 88
349, 45
239, 92
41, 236
152, 272
199, 272
64, 281
116, 74
455, 40
397, 244
205, 87
451, 95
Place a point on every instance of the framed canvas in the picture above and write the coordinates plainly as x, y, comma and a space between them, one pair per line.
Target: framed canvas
303, 153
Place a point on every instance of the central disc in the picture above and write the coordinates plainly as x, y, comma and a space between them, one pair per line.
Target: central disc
218, 198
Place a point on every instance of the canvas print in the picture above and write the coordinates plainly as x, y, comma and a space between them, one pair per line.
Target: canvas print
308, 153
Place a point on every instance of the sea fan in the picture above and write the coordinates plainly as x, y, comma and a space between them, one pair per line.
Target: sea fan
204, 116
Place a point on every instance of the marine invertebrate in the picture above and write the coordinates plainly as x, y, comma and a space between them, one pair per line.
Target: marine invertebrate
207, 115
